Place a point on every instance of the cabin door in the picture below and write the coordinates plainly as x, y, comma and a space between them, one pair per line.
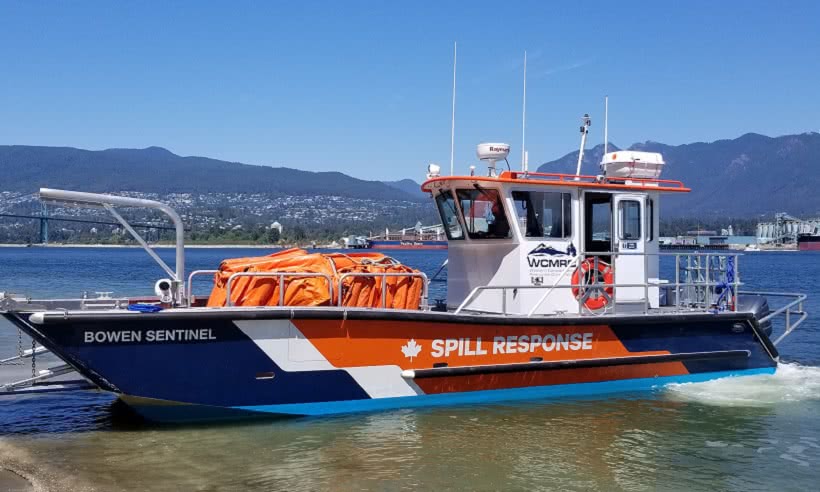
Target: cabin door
628, 242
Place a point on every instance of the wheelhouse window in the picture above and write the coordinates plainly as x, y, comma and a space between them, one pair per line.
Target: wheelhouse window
650, 219
484, 216
449, 216
544, 214
630, 218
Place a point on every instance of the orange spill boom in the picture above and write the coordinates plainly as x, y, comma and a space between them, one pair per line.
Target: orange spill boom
401, 292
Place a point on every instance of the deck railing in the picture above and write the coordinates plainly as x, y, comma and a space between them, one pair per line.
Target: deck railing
665, 184
281, 276
384, 276
340, 283
794, 306
703, 281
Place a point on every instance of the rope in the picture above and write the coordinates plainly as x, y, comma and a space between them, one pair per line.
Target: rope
725, 287
145, 308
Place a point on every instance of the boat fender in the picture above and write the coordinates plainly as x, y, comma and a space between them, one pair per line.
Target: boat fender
583, 276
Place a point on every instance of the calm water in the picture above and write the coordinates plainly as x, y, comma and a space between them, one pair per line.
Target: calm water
737, 434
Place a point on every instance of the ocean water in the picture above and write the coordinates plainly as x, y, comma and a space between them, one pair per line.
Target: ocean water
754, 433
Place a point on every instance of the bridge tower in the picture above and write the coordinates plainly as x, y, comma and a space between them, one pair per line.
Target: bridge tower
43, 224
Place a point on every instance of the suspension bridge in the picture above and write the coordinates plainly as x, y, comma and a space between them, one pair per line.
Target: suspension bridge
45, 218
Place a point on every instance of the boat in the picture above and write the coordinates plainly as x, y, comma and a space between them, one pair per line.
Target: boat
808, 242
406, 243
553, 290
418, 237
751, 248
789, 233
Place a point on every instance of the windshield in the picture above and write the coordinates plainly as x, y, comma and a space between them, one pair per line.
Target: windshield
449, 216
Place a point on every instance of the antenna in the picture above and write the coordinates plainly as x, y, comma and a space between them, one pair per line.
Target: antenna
606, 123
524, 120
453, 120
585, 124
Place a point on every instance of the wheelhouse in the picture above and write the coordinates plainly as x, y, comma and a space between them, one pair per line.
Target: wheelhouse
551, 243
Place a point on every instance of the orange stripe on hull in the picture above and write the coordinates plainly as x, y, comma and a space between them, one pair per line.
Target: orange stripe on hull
547, 378
417, 345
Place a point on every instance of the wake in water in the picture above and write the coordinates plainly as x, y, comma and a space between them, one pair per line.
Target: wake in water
791, 383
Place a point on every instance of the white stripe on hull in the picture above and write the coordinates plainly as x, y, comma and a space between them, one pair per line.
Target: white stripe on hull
288, 347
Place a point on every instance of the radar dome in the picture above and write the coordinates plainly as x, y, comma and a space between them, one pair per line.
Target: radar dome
492, 151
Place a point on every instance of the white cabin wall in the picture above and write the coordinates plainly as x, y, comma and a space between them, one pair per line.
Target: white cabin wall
549, 269
475, 263
652, 249
514, 261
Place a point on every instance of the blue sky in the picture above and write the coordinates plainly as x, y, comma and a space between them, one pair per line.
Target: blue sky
365, 87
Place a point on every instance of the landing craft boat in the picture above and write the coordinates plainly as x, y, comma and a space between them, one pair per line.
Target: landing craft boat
553, 289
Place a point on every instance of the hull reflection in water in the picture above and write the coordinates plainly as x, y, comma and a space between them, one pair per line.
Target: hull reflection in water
614, 444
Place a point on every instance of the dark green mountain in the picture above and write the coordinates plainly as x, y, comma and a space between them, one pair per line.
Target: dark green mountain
408, 186
744, 177
156, 170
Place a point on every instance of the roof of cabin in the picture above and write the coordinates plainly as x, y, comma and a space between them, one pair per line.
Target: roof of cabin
568, 180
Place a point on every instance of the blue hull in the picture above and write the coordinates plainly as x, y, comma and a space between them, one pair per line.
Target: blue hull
211, 365
168, 412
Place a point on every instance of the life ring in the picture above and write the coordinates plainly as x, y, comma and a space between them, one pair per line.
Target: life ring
595, 296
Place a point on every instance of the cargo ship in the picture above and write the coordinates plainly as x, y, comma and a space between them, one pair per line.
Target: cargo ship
808, 242
418, 237
787, 232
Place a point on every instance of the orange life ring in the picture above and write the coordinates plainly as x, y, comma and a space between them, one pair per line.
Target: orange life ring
600, 295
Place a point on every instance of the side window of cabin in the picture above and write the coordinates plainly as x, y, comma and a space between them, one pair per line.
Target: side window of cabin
484, 216
600, 220
449, 216
650, 219
544, 214
630, 218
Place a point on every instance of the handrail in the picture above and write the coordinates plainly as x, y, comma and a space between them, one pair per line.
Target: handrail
94, 200
281, 276
189, 293
573, 264
677, 284
785, 310
561, 177
476, 290
570, 180
384, 275
503, 288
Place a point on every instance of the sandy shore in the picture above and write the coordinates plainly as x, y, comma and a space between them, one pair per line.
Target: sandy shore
12, 482
20, 471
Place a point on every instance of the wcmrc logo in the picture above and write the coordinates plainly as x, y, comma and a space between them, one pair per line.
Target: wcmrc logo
542, 256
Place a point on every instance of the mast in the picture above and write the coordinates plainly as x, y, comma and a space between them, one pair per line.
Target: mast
453, 120
524, 120
606, 123
585, 123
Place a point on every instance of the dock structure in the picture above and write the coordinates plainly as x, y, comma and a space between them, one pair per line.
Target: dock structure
785, 229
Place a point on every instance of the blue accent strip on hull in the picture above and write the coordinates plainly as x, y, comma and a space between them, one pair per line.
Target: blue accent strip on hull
487, 396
